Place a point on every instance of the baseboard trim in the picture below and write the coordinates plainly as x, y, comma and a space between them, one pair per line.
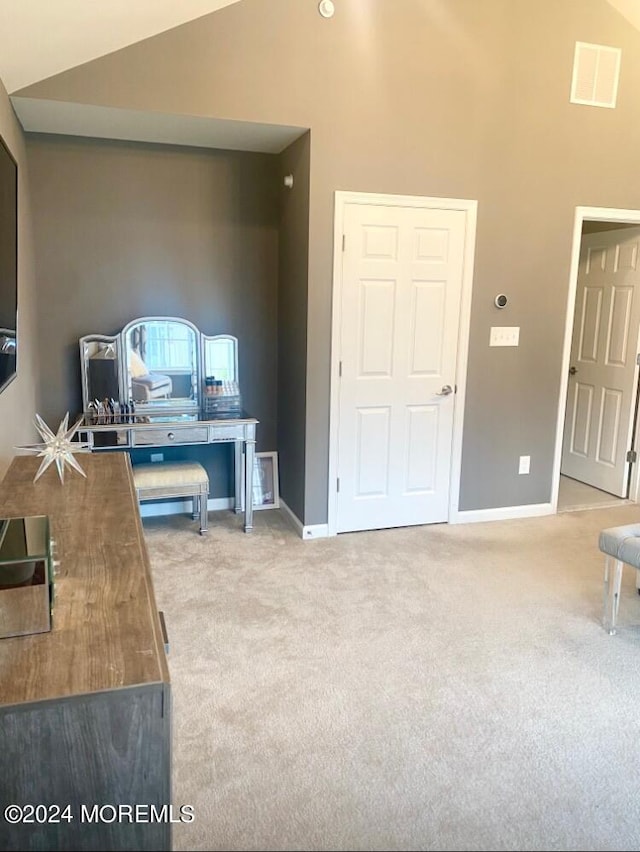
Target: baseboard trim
503, 513
293, 519
181, 507
307, 533
313, 531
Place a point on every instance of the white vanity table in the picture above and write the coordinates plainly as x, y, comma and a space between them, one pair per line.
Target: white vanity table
121, 373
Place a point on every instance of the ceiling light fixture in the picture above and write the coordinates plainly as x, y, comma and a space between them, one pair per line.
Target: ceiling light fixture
326, 8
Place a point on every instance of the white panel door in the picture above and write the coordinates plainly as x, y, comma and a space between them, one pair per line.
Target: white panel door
603, 375
400, 310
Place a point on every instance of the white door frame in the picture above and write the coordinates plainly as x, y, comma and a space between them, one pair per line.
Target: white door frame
470, 208
584, 214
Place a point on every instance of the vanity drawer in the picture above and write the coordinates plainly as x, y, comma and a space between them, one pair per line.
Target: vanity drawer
225, 433
175, 435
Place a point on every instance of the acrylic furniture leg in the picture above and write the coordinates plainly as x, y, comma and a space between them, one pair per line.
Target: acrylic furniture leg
249, 456
612, 583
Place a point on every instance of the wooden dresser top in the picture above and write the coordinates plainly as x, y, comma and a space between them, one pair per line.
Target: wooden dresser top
106, 630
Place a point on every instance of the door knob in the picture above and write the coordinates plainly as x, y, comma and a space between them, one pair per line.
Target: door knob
573, 371
446, 390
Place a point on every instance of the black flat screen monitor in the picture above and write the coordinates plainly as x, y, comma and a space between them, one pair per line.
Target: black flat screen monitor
8, 265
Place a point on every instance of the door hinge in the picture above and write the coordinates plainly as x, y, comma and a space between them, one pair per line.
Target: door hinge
344, 241
338, 484
632, 456
340, 369
638, 359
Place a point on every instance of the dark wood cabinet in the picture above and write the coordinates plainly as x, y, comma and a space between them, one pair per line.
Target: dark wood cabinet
85, 709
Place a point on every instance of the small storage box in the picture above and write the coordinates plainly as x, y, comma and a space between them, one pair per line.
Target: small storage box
221, 397
26, 576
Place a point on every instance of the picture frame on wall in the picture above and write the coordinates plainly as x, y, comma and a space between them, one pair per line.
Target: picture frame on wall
266, 491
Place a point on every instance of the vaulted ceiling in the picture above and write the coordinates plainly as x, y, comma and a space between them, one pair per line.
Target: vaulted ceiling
41, 38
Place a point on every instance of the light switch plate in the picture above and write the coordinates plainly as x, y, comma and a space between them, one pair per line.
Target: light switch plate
504, 335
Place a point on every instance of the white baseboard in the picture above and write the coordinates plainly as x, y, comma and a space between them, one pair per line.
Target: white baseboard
293, 519
307, 533
181, 507
313, 531
503, 513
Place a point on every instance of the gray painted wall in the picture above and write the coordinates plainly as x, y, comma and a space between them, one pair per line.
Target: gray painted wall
125, 230
462, 99
292, 321
18, 400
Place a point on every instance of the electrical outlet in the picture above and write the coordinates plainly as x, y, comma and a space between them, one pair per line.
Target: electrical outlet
525, 462
504, 335
157, 457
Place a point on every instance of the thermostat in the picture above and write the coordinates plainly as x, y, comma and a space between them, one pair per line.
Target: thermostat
500, 301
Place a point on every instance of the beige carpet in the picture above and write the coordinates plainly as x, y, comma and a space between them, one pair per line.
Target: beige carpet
443, 687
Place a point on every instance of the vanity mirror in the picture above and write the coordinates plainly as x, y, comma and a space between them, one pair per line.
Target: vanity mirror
100, 362
160, 363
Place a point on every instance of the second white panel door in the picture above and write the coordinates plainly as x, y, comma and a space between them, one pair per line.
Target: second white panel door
602, 387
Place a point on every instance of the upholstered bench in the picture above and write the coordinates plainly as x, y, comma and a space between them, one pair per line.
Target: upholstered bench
621, 546
174, 479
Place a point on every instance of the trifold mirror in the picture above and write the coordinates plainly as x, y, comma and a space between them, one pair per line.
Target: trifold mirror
158, 362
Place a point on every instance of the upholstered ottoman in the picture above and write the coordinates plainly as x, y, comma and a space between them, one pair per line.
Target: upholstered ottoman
174, 479
621, 546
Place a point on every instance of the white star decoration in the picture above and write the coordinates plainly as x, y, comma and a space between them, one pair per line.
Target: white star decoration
58, 448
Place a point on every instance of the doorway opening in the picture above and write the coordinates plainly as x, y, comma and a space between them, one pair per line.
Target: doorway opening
597, 430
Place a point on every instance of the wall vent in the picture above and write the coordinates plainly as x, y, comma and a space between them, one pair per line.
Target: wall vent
596, 70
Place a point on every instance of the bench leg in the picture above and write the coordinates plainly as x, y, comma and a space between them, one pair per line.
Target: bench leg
204, 512
195, 513
611, 602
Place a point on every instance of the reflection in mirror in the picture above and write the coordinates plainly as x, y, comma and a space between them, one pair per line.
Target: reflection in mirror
7, 355
221, 357
161, 358
99, 357
8, 264
221, 390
